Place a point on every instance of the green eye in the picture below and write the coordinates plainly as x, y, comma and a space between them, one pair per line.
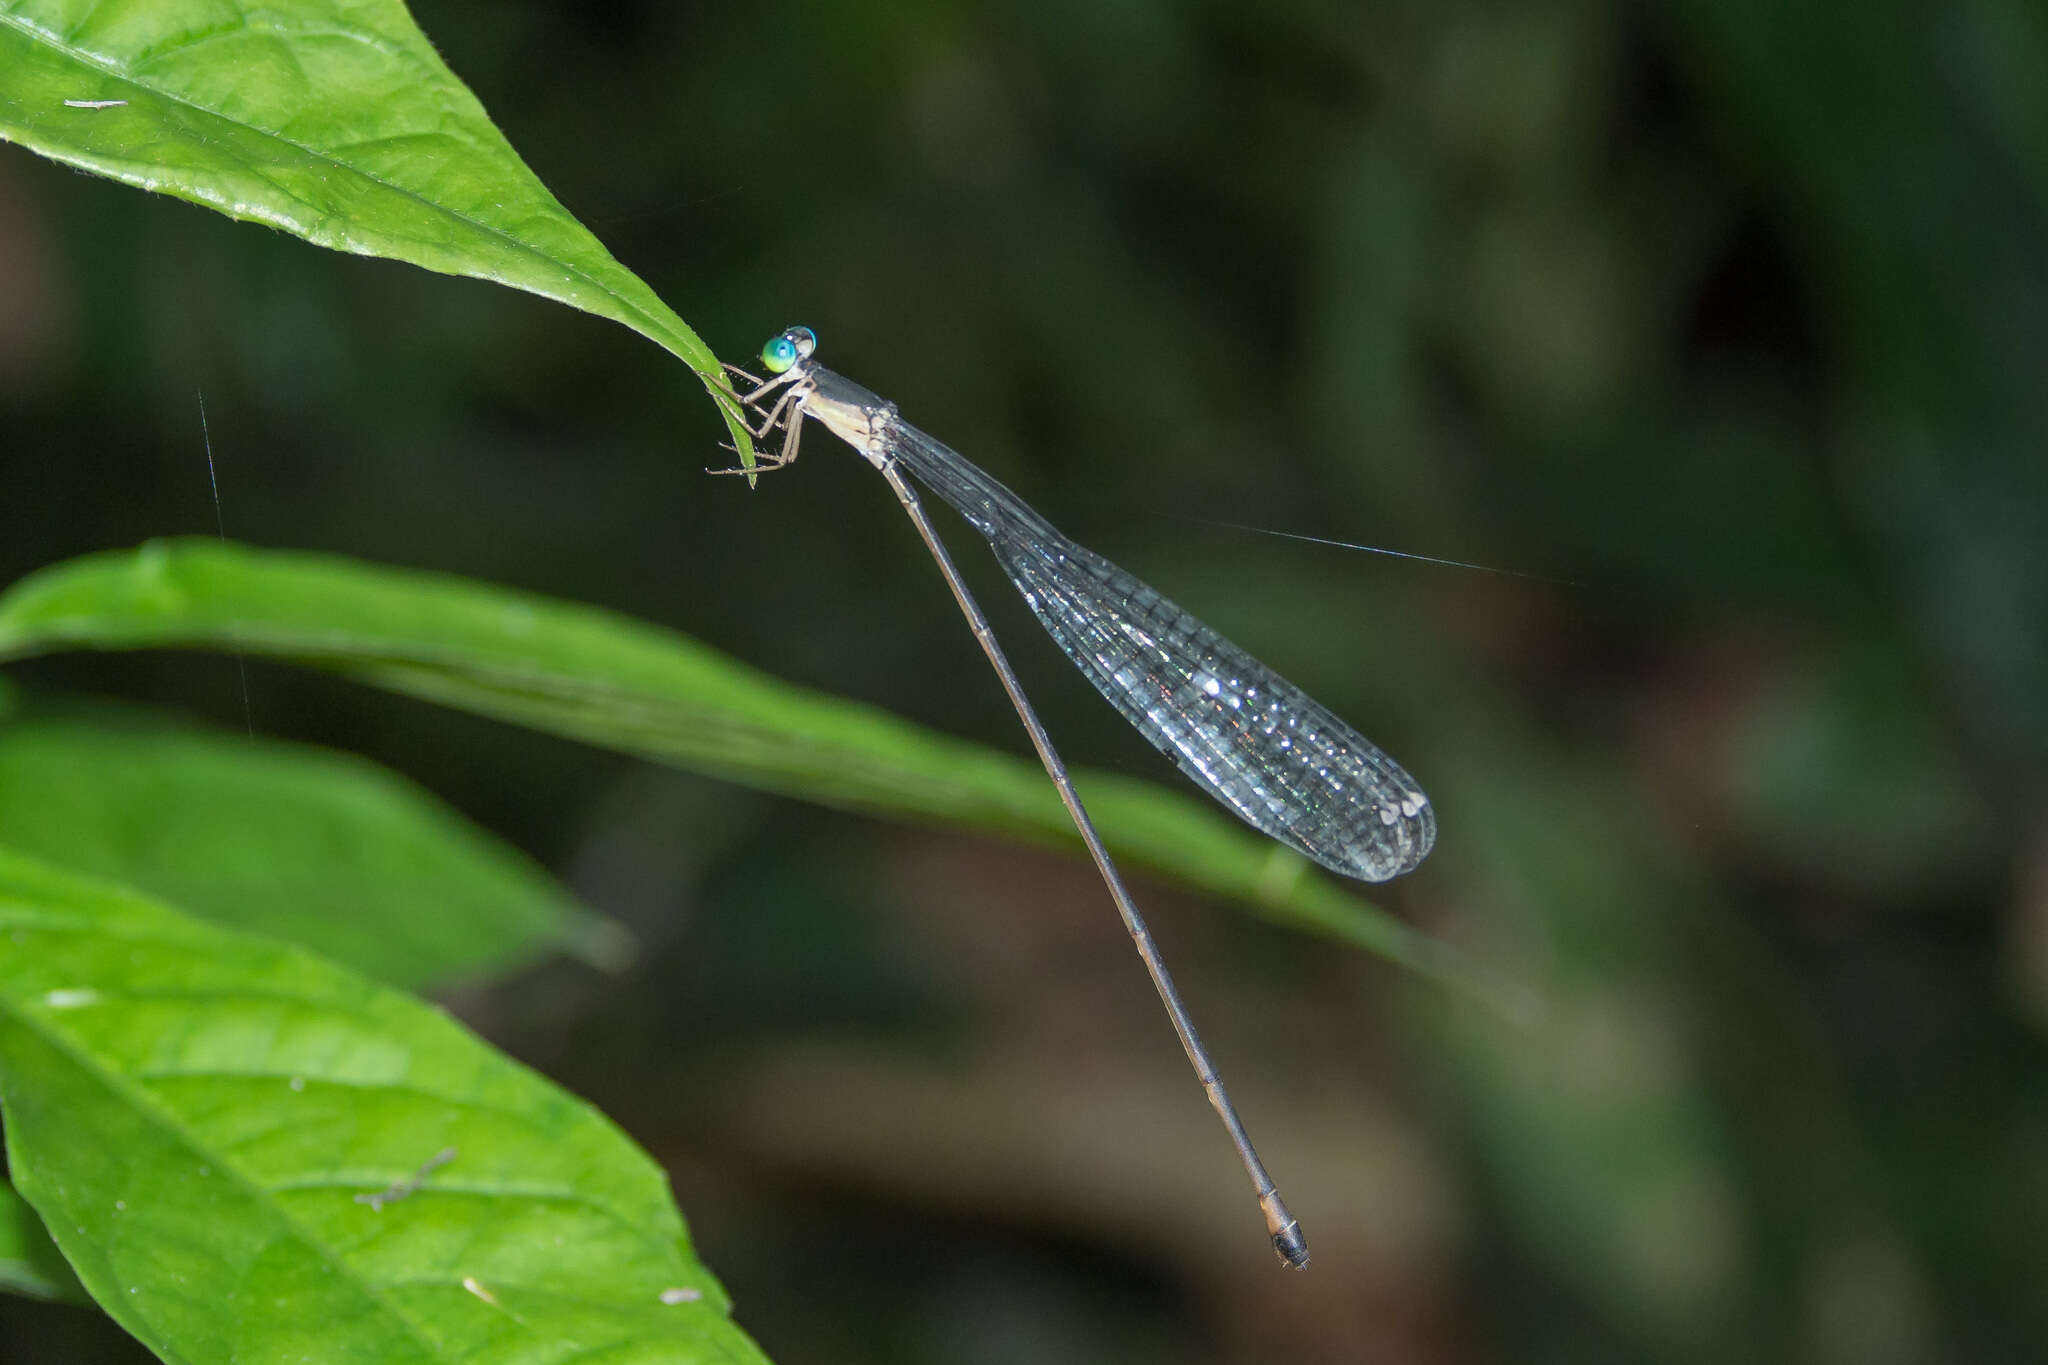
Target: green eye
779, 354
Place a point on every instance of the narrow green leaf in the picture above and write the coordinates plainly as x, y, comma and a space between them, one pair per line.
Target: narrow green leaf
29, 1261
300, 843
248, 1153
334, 120
602, 678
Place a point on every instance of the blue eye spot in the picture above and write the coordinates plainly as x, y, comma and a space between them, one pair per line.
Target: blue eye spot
779, 354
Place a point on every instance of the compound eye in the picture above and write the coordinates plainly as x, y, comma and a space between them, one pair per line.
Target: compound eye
806, 340
779, 354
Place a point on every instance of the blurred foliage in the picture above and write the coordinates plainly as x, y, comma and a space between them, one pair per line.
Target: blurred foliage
1729, 316
285, 840
557, 667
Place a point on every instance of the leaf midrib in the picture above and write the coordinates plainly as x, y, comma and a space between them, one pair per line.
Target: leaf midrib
143, 1102
649, 323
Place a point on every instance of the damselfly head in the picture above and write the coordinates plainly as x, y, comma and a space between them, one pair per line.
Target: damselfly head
792, 347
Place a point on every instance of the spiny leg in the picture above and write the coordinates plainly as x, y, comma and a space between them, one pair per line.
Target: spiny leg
752, 397
792, 437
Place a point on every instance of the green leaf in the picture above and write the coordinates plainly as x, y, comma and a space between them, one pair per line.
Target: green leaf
29, 1261
243, 1150
334, 120
599, 677
305, 844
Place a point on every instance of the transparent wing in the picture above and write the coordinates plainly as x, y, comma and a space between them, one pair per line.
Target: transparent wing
1253, 740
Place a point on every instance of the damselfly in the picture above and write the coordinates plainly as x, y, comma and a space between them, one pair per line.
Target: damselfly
1253, 740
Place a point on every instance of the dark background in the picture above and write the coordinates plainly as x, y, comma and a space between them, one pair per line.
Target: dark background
1726, 319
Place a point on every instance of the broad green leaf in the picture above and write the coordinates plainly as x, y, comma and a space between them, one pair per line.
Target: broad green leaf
334, 120
29, 1261
300, 843
602, 678
245, 1153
